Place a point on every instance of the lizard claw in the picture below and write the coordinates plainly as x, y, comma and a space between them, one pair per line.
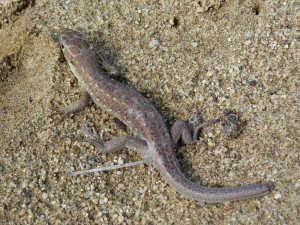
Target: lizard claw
89, 132
194, 120
92, 137
108, 67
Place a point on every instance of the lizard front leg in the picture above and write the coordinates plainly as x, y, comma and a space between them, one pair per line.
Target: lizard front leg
75, 107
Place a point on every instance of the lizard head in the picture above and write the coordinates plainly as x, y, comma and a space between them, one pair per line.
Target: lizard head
72, 43
73, 46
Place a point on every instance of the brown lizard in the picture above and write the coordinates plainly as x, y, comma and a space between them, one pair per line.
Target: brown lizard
151, 136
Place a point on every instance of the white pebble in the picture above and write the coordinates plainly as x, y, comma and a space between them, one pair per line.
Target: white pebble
153, 43
194, 44
200, 9
44, 195
210, 73
277, 196
247, 42
249, 34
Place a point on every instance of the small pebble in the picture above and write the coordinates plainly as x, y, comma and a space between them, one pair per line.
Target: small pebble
277, 196
247, 42
44, 195
252, 82
249, 34
200, 9
120, 161
153, 43
194, 44
210, 73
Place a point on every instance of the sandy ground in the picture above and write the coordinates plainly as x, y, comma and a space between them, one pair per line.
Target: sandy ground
183, 56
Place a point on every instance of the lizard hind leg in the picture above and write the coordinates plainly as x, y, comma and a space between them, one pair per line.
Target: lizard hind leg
188, 132
113, 145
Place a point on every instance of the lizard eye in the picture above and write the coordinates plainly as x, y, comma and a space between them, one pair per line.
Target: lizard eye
62, 46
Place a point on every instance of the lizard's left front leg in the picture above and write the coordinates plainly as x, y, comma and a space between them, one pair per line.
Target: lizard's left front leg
76, 106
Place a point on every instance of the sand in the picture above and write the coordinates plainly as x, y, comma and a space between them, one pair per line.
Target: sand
182, 56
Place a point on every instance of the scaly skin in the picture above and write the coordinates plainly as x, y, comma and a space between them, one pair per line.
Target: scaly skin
152, 137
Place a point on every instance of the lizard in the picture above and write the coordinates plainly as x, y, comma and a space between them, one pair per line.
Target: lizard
151, 137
